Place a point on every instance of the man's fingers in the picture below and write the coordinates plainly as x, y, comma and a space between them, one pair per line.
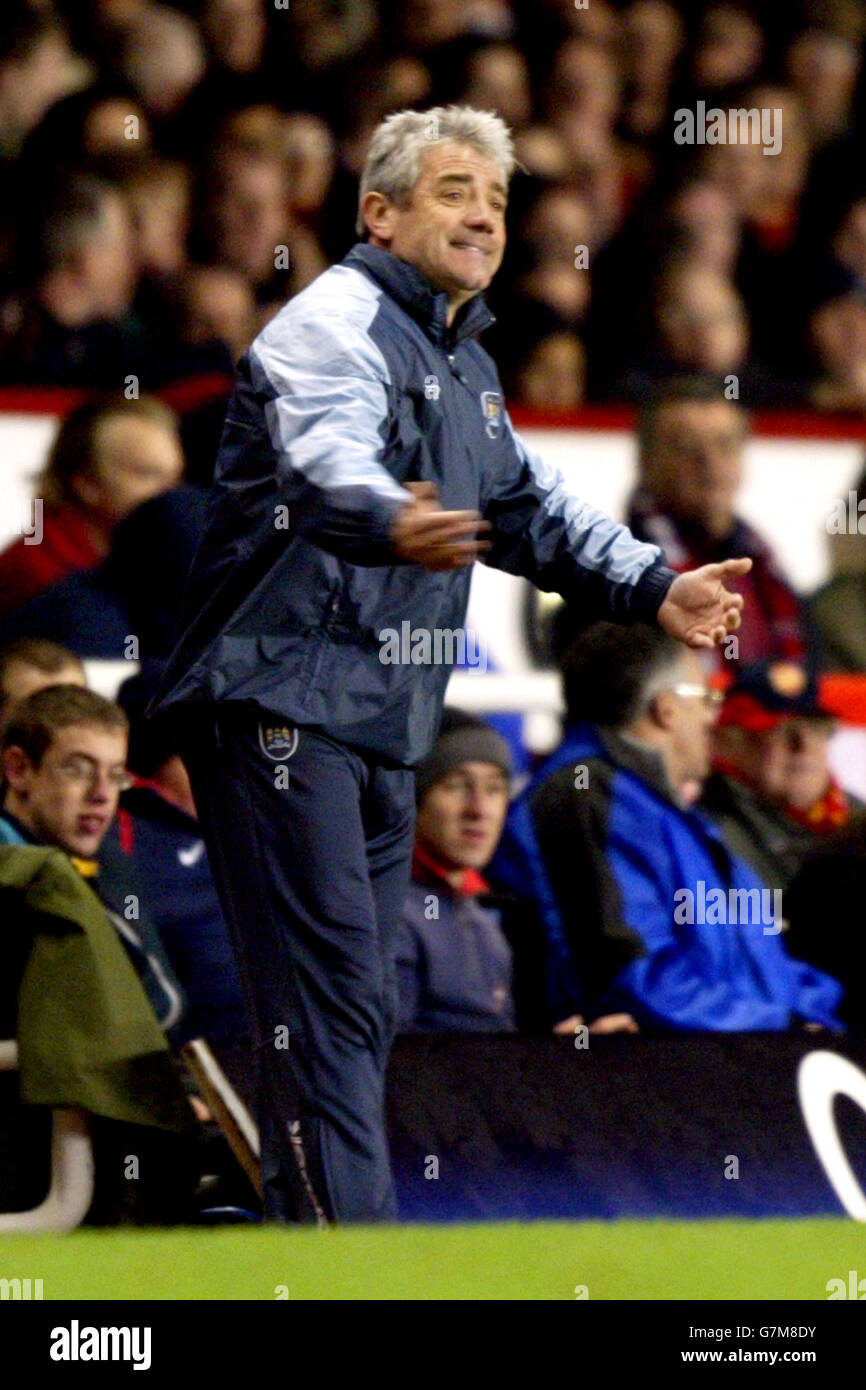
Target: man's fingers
733, 619
426, 535
430, 521
453, 556
732, 600
726, 569
453, 559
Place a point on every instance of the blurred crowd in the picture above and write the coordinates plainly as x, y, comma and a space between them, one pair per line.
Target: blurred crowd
171, 173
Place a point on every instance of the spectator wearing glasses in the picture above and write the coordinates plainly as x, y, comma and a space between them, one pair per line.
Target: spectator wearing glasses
627, 873
64, 767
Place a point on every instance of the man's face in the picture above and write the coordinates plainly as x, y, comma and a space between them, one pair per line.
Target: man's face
70, 799
250, 214
694, 465
703, 325
108, 263
135, 459
452, 228
460, 818
690, 731
21, 679
789, 764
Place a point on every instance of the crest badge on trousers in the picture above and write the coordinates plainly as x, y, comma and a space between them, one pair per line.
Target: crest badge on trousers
277, 741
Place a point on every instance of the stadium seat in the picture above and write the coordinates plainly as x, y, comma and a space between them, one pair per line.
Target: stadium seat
72, 1171
226, 1106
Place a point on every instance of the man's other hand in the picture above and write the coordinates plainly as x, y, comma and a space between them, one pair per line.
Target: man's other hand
698, 609
607, 1023
424, 534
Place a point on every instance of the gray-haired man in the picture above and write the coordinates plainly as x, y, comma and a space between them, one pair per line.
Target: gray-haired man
367, 460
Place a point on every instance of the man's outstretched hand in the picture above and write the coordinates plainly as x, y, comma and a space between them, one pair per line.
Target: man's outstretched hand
698, 609
426, 535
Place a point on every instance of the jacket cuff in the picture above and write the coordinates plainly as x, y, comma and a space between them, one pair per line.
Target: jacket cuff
650, 591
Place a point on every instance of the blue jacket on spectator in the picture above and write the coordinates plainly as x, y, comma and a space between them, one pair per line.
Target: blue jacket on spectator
610, 858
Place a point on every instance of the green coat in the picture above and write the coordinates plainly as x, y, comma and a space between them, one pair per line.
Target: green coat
87, 1035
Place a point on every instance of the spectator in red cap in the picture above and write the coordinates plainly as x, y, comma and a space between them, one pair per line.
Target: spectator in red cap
772, 791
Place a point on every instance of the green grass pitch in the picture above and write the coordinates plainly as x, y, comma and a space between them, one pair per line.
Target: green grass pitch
544, 1260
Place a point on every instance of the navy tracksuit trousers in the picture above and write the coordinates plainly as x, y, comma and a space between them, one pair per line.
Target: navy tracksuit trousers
310, 843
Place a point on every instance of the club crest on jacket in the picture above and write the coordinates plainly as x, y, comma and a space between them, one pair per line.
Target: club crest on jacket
491, 405
277, 741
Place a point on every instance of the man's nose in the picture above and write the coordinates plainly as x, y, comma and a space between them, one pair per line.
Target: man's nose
101, 789
478, 214
794, 740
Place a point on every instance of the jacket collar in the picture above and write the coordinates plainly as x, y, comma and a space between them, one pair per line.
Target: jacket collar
429, 870
625, 753
414, 293
25, 836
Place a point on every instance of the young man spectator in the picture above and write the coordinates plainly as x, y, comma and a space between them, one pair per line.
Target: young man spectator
110, 455
469, 959
454, 964
772, 792
635, 887
30, 664
690, 458
63, 767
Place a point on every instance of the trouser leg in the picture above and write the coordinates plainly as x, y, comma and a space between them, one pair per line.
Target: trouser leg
309, 856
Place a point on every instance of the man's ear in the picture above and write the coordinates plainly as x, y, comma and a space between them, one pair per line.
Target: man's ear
87, 488
16, 767
379, 213
662, 709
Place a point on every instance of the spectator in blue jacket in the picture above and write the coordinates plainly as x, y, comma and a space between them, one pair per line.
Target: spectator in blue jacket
645, 909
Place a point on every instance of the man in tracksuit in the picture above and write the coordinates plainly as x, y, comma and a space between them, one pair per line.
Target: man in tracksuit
366, 461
